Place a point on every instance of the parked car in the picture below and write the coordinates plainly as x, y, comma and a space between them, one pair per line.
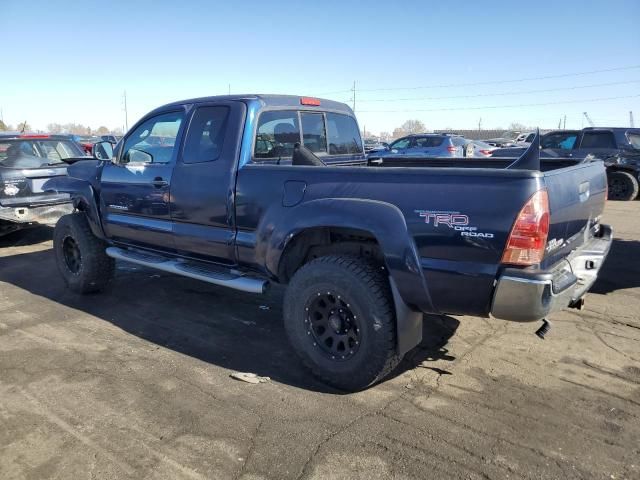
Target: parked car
109, 138
508, 139
26, 163
618, 147
87, 142
482, 149
429, 145
363, 251
525, 138
374, 145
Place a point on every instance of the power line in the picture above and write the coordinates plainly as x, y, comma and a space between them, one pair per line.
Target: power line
493, 82
500, 94
501, 106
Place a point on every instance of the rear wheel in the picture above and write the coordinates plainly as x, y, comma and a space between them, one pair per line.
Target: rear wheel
339, 317
80, 255
622, 186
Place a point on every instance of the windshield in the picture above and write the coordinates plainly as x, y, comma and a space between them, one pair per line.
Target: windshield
36, 153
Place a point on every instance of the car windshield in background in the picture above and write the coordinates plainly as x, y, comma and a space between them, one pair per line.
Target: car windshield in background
36, 153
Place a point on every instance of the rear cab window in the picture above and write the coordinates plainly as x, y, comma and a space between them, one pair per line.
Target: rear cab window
598, 140
324, 133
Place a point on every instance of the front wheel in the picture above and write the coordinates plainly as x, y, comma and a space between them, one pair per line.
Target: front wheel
622, 186
80, 255
339, 317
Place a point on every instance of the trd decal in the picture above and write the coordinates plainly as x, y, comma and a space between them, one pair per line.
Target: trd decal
454, 220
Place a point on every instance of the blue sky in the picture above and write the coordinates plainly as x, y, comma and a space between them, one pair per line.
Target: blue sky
70, 61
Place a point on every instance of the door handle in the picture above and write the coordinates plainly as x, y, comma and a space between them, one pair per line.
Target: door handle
159, 182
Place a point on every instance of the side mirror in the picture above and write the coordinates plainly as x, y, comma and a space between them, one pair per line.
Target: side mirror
102, 150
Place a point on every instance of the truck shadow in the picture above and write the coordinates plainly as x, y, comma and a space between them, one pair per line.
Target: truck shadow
620, 270
27, 236
223, 327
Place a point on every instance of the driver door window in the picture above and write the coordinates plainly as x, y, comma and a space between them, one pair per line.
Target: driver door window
401, 144
154, 140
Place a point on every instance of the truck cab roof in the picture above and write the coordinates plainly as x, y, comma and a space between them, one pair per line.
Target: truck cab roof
270, 100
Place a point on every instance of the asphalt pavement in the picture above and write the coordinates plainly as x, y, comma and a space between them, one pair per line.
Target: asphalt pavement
135, 383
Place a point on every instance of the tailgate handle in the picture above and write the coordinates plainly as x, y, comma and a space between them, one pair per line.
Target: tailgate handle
584, 191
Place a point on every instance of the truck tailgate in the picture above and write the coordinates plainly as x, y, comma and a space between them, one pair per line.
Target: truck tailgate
577, 198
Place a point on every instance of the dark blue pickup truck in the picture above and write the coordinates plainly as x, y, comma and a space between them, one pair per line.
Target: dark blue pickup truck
243, 191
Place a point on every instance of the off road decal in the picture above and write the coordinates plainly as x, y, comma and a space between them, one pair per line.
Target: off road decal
455, 220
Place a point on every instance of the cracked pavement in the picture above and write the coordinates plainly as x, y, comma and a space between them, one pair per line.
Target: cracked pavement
134, 383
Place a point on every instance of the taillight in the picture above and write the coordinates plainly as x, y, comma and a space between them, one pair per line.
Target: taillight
486, 152
452, 149
528, 238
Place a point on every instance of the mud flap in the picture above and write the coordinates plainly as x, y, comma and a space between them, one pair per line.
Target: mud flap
408, 322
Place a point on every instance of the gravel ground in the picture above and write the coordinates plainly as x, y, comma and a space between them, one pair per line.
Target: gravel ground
134, 383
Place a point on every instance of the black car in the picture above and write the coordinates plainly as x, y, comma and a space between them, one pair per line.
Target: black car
26, 163
618, 147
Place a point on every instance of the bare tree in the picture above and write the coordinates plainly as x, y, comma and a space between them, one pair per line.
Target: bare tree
102, 130
54, 128
24, 127
3, 126
413, 126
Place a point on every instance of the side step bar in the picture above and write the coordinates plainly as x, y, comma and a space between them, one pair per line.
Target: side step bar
191, 269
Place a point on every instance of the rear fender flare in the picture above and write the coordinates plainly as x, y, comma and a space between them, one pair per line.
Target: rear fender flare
382, 220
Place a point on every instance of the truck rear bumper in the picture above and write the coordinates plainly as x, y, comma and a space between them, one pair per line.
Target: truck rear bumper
525, 296
42, 214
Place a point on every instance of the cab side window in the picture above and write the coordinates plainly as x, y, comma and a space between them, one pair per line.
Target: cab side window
562, 141
154, 140
205, 137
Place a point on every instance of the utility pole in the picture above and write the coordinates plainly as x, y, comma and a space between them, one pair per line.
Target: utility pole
586, 115
565, 123
631, 119
480, 124
560, 123
1, 116
229, 89
126, 113
354, 96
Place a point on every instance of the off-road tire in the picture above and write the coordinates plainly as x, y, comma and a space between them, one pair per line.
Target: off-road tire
622, 186
365, 287
93, 270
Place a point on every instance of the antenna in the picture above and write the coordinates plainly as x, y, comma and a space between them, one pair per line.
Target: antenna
586, 115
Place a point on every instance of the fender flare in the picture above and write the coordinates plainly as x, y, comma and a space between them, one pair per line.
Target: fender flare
83, 199
382, 220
